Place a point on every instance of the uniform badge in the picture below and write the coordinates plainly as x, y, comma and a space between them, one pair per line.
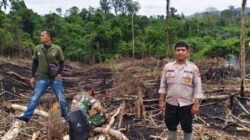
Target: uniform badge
187, 78
38, 53
54, 54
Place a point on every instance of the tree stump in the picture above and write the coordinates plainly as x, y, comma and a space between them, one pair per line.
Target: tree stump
57, 127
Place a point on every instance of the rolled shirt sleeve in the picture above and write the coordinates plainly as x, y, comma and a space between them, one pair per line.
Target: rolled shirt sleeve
197, 84
76, 102
60, 55
163, 85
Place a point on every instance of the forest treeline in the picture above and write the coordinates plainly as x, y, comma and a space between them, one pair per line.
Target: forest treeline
93, 35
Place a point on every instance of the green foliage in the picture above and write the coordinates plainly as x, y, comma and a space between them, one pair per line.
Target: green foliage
96, 35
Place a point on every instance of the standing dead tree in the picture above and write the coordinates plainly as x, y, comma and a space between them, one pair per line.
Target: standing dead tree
242, 47
167, 29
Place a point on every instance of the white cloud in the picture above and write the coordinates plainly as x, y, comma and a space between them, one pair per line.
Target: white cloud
46, 6
192, 6
148, 7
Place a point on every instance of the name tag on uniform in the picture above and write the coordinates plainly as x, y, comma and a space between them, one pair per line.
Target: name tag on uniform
170, 73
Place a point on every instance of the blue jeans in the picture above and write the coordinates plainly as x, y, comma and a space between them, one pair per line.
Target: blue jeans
41, 86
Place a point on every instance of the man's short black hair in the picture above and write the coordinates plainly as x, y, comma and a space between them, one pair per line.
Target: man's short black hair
181, 44
88, 87
49, 32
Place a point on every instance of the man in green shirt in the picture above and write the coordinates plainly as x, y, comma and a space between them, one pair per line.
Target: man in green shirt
47, 58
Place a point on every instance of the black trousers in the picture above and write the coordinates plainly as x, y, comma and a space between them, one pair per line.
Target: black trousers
78, 125
176, 114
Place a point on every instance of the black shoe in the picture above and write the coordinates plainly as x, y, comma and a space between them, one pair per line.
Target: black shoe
65, 116
22, 118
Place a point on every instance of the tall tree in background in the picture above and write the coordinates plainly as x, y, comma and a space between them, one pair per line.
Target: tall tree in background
122, 7
59, 11
229, 16
13, 26
125, 7
4, 4
173, 12
115, 4
132, 8
242, 46
105, 6
133, 35
169, 50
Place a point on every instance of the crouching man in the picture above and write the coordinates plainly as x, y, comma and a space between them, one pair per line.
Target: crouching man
86, 113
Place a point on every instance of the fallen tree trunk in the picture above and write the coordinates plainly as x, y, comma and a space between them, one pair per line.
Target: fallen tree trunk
121, 115
24, 108
243, 129
111, 122
18, 81
217, 97
115, 133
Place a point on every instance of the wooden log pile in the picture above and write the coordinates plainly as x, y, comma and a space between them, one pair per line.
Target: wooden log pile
56, 126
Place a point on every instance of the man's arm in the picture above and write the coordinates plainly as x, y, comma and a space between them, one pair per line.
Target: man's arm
34, 67
162, 102
197, 85
162, 90
61, 66
96, 105
198, 95
100, 109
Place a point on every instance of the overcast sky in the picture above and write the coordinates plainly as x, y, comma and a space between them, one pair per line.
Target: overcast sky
148, 7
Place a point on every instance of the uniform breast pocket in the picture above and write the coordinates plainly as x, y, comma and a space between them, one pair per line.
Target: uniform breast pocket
187, 79
170, 76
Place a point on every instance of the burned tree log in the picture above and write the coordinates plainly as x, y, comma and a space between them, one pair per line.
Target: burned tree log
13, 131
24, 108
140, 109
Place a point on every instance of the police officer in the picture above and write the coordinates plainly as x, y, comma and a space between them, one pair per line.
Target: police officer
180, 92
45, 54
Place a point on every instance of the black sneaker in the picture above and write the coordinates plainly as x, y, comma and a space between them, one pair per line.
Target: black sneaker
22, 118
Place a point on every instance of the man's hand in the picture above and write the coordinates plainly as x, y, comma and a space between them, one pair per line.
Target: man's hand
195, 108
162, 102
162, 105
58, 77
32, 82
